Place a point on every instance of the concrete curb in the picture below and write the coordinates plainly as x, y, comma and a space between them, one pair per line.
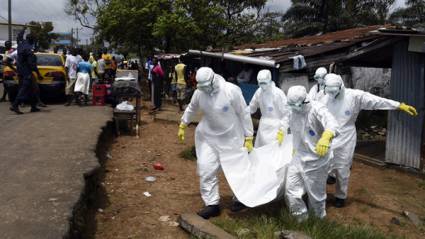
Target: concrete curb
201, 228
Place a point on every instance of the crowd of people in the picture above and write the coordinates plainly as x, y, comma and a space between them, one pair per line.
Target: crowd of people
81, 70
175, 81
321, 124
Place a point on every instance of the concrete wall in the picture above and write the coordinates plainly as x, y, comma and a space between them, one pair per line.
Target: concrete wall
4, 32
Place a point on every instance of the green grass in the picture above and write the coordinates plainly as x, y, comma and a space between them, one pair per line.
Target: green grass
188, 153
264, 226
421, 184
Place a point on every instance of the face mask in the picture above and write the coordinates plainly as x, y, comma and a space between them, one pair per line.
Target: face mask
206, 88
264, 85
319, 80
332, 91
296, 106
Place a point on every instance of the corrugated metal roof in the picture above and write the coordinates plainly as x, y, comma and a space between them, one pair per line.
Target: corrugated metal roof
325, 48
326, 53
332, 37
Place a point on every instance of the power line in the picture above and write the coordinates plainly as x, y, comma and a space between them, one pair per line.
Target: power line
3, 17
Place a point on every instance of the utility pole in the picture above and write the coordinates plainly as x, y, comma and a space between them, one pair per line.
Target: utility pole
78, 39
9, 9
72, 37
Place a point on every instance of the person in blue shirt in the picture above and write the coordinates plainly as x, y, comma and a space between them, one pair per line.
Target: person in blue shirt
82, 85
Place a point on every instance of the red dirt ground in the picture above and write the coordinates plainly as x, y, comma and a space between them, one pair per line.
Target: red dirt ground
375, 197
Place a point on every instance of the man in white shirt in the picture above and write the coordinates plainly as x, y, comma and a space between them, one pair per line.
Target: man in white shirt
71, 64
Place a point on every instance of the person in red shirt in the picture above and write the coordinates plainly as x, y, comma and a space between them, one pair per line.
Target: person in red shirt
157, 80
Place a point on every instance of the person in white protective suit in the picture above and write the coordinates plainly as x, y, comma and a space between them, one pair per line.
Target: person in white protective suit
345, 105
226, 124
316, 92
313, 128
274, 112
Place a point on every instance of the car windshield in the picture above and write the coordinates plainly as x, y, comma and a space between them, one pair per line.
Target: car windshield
49, 60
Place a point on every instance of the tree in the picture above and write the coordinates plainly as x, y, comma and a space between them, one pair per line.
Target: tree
208, 23
130, 23
307, 17
270, 27
42, 31
85, 11
413, 15
176, 25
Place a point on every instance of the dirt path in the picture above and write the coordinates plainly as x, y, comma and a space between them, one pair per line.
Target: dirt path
130, 214
375, 196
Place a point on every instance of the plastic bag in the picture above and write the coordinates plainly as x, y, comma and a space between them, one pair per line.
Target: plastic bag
259, 177
125, 106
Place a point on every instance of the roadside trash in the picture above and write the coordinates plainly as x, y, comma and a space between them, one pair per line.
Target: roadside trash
147, 194
413, 218
395, 221
173, 224
158, 166
52, 199
287, 234
164, 218
243, 232
125, 106
100, 210
150, 179
108, 156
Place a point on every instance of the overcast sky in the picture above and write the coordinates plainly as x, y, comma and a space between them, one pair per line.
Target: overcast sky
24, 11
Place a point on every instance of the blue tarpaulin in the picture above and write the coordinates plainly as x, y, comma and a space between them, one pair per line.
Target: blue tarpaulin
248, 91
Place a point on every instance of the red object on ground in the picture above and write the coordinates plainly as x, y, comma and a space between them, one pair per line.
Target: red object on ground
158, 166
99, 93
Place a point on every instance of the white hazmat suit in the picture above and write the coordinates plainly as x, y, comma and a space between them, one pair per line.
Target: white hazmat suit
274, 110
308, 170
345, 105
225, 123
316, 92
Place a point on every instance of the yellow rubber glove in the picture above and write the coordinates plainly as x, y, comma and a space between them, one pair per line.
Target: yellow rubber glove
280, 136
181, 133
408, 109
324, 143
248, 143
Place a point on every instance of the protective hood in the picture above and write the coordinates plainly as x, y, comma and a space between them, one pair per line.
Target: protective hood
320, 74
205, 80
264, 79
297, 98
334, 86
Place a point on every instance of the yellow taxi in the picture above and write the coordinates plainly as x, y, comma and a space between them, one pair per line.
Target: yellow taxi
51, 67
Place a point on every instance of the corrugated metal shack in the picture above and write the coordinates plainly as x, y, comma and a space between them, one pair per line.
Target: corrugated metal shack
402, 50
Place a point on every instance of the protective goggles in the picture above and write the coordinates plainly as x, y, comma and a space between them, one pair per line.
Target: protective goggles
332, 89
206, 86
297, 104
317, 77
264, 83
